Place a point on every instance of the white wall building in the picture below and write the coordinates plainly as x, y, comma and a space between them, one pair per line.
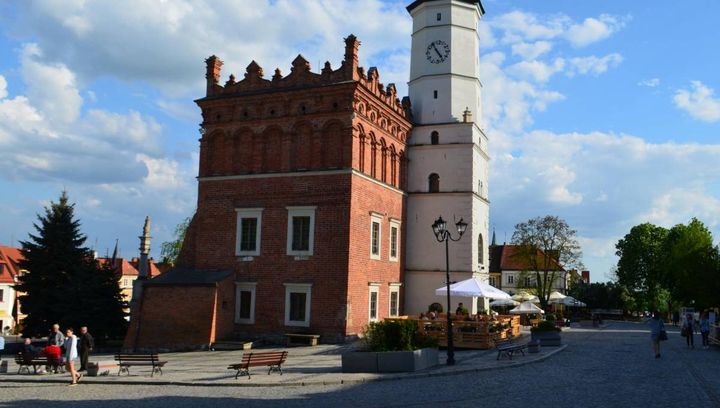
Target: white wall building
447, 151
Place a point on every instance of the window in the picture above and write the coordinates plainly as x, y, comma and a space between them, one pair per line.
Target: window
434, 94
245, 302
433, 183
247, 240
2, 298
481, 250
126, 282
301, 231
434, 138
528, 281
375, 234
373, 302
394, 301
297, 304
492, 281
438, 17
394, 239
510, 279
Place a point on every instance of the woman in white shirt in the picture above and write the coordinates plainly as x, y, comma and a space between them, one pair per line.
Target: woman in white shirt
71, 355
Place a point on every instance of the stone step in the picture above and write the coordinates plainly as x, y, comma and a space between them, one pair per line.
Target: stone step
226, 345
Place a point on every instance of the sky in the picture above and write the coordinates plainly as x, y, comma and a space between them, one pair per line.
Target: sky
606, 114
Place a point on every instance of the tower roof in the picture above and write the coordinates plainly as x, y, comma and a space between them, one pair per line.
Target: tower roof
416, 3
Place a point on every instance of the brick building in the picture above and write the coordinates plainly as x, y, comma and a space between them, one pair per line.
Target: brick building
303, 194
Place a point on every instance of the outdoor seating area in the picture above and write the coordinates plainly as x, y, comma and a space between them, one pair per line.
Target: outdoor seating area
473, 332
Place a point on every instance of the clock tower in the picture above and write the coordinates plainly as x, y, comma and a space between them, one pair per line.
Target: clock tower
447, 151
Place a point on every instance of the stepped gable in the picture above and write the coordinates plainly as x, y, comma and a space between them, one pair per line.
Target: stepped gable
301, 76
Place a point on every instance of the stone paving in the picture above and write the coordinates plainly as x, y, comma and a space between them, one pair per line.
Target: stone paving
608, 367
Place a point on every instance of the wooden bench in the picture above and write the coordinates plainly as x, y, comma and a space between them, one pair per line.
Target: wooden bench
509, 348
272, 359
26, 362
125, 361
304, 339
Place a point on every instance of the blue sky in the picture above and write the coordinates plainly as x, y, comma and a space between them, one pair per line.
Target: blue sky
605, 113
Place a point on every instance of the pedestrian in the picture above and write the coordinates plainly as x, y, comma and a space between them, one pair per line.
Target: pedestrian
705, 330
86, 344
676, 318
71, 355
687, 330
657, 333
2, 346
56, 338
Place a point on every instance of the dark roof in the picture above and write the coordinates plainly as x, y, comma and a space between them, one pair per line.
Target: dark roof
509, 258
495, 257
416, 3
192, 277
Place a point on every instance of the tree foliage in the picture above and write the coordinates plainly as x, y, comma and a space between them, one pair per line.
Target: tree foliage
639, 267
543, 243
661, 267
64, 283
171, 249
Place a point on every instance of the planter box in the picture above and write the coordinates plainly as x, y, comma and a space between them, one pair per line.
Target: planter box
389, 361
550, 338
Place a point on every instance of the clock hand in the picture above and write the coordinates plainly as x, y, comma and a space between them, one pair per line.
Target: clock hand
436, 51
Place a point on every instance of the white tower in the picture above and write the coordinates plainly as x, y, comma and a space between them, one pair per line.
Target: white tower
447, 151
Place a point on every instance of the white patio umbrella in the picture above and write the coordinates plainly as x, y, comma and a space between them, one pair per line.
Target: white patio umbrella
524, 297
571, 301
473, 288
526, 307
504, 302
556, 296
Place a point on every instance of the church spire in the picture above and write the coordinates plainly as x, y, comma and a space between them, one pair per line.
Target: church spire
493, 238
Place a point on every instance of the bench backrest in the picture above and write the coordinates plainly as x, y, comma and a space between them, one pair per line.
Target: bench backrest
136, 357
21, 358
264, 357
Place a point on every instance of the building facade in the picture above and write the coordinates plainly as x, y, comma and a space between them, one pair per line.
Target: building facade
10, 258
512, 273
317, 190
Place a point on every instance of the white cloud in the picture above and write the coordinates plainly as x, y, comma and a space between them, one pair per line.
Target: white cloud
699, 102
593, 65
3, 87
520, 26
536, 70
593, 29
650, 83
530, 51
679, 205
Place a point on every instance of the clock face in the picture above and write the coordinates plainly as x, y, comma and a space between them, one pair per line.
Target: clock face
437, 52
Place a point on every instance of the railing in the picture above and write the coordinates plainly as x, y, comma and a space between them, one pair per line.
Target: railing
470, 334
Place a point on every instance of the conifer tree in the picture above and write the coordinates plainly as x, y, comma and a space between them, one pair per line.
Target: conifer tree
64, 283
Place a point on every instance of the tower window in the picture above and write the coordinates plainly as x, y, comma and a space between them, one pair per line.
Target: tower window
433, 183
434, 138
439, 16
435, 94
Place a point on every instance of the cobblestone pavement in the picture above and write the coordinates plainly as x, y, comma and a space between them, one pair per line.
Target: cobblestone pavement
610, 367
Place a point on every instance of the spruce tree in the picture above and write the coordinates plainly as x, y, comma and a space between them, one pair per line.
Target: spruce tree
64, 283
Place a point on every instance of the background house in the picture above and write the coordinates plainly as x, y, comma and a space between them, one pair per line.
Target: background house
512, 273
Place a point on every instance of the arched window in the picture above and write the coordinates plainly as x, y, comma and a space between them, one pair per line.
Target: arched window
434, 183
481, 249
434, 137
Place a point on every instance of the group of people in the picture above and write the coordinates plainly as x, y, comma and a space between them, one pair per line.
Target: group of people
689, 327
64, 350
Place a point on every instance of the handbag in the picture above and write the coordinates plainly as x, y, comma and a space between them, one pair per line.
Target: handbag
663, 335
683, 331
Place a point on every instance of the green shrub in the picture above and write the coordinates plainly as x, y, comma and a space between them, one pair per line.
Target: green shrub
545, 326
550, 317
435, 307
395, 335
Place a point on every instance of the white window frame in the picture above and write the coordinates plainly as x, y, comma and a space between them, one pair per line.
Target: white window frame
394, 288
250, 287
374, 288
248, 213
305, 211
492, 282
511, 279
394, 224
298, 288
376, 218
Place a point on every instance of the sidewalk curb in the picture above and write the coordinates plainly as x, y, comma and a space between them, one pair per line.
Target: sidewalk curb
239, 383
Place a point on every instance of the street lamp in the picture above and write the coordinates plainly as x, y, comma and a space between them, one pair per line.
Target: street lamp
443, 235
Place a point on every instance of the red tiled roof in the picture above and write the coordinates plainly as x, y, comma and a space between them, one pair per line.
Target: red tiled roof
130, 268
10, 258
511, 259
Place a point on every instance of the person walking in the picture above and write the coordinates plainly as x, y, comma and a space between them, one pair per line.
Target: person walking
71, 355
86, 344
687, 330
705, 330
657, 327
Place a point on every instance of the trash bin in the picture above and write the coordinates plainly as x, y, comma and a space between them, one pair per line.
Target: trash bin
534, 346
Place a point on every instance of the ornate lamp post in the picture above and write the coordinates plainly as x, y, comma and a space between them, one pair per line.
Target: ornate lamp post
443, 235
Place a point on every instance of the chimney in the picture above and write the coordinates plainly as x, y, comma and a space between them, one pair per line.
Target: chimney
212, 73
352, 60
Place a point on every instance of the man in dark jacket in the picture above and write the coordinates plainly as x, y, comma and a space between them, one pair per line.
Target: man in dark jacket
86, 344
